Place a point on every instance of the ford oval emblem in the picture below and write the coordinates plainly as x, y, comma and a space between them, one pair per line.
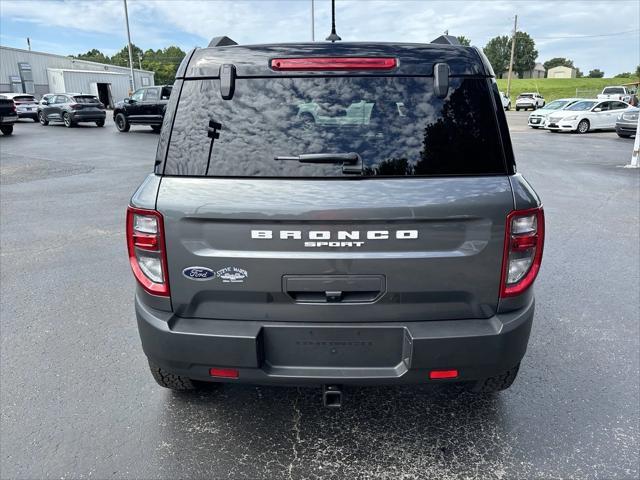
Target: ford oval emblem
198, 273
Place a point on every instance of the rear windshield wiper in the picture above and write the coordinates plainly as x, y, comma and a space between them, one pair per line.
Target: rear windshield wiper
351, 162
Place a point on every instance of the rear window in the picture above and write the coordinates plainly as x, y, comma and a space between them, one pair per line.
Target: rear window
396, 124
24, 98
613, 90
85, 99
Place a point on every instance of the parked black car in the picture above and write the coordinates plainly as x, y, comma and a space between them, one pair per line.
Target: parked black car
8, 115
71, 108
145, 107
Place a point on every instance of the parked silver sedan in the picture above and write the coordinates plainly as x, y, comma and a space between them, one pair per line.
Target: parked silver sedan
627, 123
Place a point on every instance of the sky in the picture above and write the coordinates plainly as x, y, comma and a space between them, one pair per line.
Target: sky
595, 34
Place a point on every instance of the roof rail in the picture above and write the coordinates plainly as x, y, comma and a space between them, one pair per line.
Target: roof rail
446, 40
221, 42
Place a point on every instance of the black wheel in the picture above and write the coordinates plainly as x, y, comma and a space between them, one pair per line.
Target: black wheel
497, 383
171, 380
6, 129
624, 135
66, 118
517, 109
534, 127
156, 128
100, 123
554, 131
121, 123
43, 119
583, 126
508, 107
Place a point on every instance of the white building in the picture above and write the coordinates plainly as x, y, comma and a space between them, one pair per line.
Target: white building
39, 73
561, 72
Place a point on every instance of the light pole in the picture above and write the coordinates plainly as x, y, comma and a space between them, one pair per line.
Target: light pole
513, 49
126, 17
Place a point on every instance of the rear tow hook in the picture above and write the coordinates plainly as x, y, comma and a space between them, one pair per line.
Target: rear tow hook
332, 396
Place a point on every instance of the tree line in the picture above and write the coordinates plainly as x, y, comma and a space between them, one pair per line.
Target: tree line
163, 62
498, 51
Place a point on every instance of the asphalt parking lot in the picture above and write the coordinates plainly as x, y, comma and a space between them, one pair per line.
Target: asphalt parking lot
78, 400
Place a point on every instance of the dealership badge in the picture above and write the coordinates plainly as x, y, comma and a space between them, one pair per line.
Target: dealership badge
231, 275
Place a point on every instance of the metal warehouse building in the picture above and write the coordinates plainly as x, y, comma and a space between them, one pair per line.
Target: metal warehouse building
26, 71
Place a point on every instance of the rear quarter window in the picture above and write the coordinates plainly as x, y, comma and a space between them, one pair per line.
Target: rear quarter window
396, 124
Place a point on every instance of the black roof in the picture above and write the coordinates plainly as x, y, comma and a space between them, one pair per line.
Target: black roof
413, 58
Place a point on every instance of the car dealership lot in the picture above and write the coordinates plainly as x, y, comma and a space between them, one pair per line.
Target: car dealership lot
78, 400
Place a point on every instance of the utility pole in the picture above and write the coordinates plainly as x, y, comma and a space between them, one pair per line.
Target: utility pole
126, 17
29, 43
513, 51
140, 61
313, 23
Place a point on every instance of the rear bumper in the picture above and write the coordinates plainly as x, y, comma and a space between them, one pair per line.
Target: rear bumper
346, 353
8, 119
30, 114
88, 116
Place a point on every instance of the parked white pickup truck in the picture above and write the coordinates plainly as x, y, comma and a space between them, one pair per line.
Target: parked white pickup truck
615, 93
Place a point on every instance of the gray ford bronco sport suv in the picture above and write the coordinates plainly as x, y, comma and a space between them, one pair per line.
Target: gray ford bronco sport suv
397, 247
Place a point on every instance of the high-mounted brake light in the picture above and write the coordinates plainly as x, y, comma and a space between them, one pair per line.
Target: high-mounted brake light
333, 63
523, 246
147, 253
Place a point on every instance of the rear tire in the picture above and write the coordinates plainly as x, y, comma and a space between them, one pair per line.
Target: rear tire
66, 118
6, 129
156, 128
583, 126
171, 380
517, 109
100, 123
43, 119
122, 124
497, 383
624, 135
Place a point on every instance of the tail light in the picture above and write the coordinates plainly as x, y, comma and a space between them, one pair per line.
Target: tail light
334, 63
76, 106
523, 245
13, 107
147, 252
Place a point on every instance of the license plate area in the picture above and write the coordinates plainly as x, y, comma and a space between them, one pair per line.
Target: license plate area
335, 347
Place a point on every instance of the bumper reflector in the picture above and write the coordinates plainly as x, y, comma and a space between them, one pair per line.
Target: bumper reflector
443, 374
224, 372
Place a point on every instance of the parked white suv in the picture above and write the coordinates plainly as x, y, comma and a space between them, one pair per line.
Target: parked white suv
526, 101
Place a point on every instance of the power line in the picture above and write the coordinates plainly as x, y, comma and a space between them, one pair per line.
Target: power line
637, 30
